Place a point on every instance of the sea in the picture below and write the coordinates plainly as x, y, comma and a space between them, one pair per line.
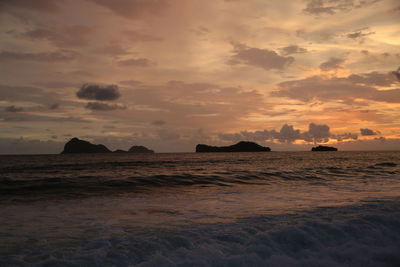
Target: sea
201, 209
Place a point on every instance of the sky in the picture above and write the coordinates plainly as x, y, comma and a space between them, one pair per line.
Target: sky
169, 74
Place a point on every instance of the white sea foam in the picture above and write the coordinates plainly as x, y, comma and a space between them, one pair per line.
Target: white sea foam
362, 235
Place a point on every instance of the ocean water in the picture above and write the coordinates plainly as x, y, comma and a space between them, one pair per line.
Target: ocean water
211, 209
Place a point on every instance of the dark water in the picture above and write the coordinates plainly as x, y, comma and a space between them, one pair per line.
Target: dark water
218, 209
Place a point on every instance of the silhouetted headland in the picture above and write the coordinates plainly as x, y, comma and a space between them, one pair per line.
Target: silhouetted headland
324, 148
76, 145
140, 149
242, 146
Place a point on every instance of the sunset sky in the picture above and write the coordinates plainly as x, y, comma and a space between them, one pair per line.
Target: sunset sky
169, 74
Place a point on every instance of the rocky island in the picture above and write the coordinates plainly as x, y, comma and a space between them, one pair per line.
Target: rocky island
324, 148
242, 146
76, 145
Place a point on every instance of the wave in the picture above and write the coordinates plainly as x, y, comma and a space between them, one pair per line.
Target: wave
363, 235
66, 183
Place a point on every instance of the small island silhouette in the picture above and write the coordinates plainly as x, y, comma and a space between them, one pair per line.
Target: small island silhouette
324, 148
242, 146
75, 145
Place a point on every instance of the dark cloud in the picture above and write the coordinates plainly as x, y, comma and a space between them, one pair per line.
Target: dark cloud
261, 58
367, 132
317, 133
396, 73
330, 7
13, 109
288, 134
292, 49
136, 62
373, 78
344, 136
37, 5
54, 106
331, 64
103, 106
134, 9
359, 34
141, 37
360, 86
98, 92
158, 123
59, 56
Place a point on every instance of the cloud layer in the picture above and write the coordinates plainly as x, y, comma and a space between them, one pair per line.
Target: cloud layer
98, 92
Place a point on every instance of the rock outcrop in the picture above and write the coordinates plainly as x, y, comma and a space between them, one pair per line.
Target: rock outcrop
324, 148
76, 145
242, 146
140, 149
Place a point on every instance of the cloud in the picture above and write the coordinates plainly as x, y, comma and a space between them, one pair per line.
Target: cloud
103, 106
29, 146
134, 9
367, 132
396, 73
261, 58
359, 86
58, 56
288, 135
113, 49
168, 135
13, 109
141, 37
98, 92
317, 133
136, 62
22, 117
359, 34
37, 5
75, 35
330, 7
54, 106
331, 64
344, 136
130, 82
374, 78
195, 104
292, 49
28, 94
158, 123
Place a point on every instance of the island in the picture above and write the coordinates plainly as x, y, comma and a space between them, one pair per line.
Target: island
76, 145
140, 149
324, 148
242, 146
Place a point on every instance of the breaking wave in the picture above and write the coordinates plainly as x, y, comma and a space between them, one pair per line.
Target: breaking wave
363, 235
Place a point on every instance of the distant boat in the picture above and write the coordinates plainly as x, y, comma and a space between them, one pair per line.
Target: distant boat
242, 146
324, 148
